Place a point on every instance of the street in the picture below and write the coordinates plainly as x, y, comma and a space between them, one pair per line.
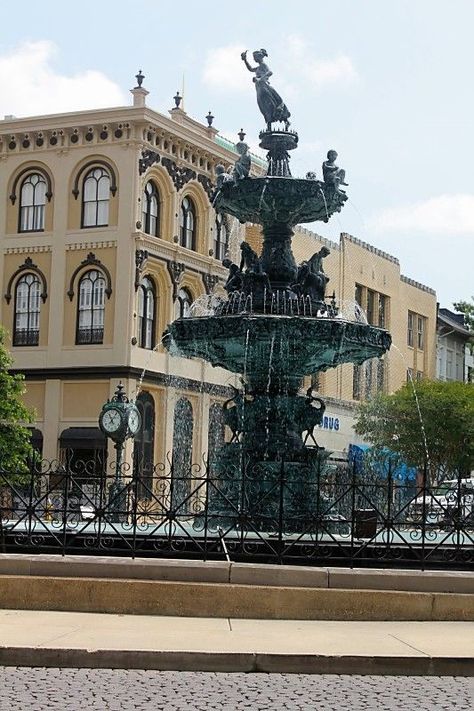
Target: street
37, 689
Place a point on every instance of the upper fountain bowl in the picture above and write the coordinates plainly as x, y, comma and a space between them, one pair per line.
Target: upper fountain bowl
271, 200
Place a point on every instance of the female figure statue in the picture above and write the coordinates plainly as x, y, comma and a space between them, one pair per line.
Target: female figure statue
269, 101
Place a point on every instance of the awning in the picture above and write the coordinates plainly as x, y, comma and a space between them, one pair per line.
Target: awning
388, 461
82, 438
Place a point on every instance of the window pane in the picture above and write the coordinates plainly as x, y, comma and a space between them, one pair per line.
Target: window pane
27, 194
103, 188
38, 217
90, 211
103, 212
90, 188
26, 219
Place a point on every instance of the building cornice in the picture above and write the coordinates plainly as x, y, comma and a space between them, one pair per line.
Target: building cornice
140, 127
152, 377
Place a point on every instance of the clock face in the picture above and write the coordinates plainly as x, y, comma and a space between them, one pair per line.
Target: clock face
134, 421
111, 420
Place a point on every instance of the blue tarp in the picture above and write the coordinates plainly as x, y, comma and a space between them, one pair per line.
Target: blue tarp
387, 461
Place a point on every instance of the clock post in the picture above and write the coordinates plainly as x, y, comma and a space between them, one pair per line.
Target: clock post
119, 420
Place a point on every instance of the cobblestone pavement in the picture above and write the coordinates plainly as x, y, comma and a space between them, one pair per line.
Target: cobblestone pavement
36, 689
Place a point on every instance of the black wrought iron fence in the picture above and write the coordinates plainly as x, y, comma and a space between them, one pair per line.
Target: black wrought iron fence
353, 519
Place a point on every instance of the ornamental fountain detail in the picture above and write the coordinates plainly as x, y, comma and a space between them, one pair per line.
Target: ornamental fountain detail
275, 327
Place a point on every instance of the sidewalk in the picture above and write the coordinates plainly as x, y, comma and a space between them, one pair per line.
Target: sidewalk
75, 639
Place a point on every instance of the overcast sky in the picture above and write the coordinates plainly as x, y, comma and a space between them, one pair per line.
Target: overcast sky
389, 85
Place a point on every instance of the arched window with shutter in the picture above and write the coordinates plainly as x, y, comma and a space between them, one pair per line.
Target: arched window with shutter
91, 308
27, 311
183, 303
182, 456
187, 224
151, 209
96, 198
32, 203
144, 446
146, 313
221, 239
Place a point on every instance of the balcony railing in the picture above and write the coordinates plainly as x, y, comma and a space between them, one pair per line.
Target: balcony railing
26, 337
90, 335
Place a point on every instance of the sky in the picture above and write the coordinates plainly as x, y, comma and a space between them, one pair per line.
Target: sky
388, 84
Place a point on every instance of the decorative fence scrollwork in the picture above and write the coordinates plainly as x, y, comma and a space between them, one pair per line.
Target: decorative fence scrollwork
355, 518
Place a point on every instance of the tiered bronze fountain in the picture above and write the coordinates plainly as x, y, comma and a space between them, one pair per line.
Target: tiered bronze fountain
275, 327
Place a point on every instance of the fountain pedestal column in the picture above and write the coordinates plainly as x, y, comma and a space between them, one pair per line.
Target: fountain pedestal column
277, 258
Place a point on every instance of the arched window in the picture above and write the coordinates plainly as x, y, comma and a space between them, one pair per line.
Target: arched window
216, 434
221, 239
182, 456
95, 198
187, 224
151, 210
91, 306
32, 203
144, 446
27, 311
146, 313
183, 303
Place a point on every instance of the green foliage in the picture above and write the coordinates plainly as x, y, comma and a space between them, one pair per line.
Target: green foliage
467, 309
430, 421
15, 447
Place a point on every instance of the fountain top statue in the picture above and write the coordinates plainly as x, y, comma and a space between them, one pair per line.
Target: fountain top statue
269, 101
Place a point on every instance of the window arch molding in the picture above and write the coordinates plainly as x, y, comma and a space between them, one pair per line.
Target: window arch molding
28, 266
84, 169
23, 174
90, 261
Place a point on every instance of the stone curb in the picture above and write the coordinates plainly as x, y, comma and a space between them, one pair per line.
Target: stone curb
113, 567
236, 662
190, 599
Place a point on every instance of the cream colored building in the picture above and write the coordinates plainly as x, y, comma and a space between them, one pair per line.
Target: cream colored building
107, 233
368, 284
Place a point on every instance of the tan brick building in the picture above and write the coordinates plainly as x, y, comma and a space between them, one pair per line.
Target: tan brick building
107, 233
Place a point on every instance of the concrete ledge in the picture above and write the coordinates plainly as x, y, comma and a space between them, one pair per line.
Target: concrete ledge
278, 575
236, 662
410, 580
113, 567
185, 599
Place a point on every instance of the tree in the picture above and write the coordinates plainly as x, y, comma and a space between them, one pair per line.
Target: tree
15, 447
428, 422
467, 309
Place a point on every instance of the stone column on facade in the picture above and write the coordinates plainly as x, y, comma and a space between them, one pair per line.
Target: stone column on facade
52, 418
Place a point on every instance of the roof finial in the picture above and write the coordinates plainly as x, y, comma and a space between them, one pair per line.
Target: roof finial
210, 119
139, 77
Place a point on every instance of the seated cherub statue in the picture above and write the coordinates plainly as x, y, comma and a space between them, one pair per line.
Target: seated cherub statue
331, 173
222, 176
243, 163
